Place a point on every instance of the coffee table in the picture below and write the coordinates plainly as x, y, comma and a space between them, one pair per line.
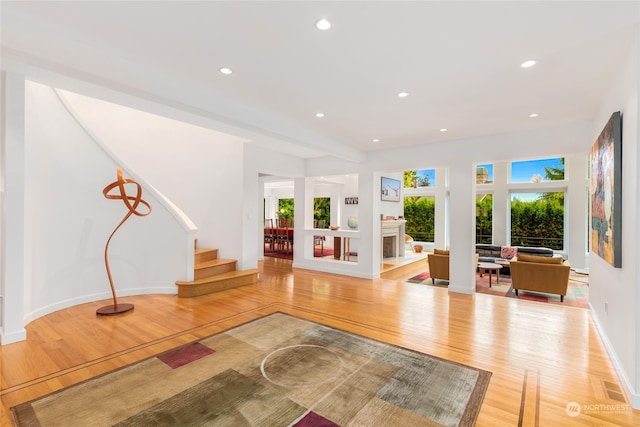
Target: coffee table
503, 262
489, 267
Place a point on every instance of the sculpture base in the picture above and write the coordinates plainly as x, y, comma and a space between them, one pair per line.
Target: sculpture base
110, 310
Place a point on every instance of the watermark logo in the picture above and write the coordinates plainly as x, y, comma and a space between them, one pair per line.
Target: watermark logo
573, 409
605, 408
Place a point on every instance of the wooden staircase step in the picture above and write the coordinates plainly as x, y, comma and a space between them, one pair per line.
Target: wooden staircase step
219, 282
212, 274
204, 254
213, 267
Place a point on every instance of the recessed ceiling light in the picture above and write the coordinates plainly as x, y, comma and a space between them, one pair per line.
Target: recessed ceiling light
403, 95
320, 115
376, 140
323, 24
225, 70
527, 64
532, 115
443, 130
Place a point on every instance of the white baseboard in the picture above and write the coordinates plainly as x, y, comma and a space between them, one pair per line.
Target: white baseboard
106, 295
624, 379
11, 337
461, 290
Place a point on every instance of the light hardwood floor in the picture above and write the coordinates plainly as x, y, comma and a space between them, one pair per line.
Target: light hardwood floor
542, 356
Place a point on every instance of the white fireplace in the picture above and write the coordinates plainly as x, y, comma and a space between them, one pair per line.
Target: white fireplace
389, 246
392, 238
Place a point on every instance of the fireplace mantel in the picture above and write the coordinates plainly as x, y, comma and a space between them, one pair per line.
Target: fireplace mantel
393, 223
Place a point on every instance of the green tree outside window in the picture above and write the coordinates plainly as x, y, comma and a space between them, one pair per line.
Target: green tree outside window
322, 210
285, 208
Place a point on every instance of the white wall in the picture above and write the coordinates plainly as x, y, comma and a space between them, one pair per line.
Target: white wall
67, 221
350, 189
195, 167
13, 183
613, 292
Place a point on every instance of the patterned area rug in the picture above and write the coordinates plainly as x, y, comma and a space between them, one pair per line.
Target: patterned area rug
274, 254
577, 294
275, 371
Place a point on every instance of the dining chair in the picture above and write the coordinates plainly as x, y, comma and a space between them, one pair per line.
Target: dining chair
270, 234
284, 237
290, 234
319, 240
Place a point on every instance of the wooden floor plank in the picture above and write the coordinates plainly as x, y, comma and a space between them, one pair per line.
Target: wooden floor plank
556, 348
530, 400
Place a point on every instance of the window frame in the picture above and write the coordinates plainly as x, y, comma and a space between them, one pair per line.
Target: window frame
537, 188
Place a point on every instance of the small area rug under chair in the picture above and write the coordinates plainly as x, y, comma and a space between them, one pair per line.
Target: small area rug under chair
577, 293
278, 370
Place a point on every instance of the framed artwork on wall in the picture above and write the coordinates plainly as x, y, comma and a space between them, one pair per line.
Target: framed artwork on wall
390, 189
606, 192
350, 200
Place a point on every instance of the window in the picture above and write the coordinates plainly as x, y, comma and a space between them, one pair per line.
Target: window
322, 211
420, 203
419, 212
537, 219
484, 218
536, 171
537, 216
420, 178
484, 174
285, 209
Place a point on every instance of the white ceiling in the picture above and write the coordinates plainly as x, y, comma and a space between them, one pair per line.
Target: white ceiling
459, 61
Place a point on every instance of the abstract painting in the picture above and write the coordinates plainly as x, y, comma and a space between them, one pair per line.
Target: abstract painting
606, 192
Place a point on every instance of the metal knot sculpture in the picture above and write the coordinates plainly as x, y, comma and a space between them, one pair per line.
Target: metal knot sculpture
132, 203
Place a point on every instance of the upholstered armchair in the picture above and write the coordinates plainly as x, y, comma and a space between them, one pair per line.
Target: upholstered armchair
438, 265
540, 274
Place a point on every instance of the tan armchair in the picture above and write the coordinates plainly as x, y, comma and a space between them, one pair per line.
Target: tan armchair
438, 265
540, 274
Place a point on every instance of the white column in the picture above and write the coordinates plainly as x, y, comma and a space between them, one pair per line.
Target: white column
462, 272
501, 204
262, 213
440, 223
369, 225
13, 168
335, 193
303, 218
576, 210
309, 196
303, 203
